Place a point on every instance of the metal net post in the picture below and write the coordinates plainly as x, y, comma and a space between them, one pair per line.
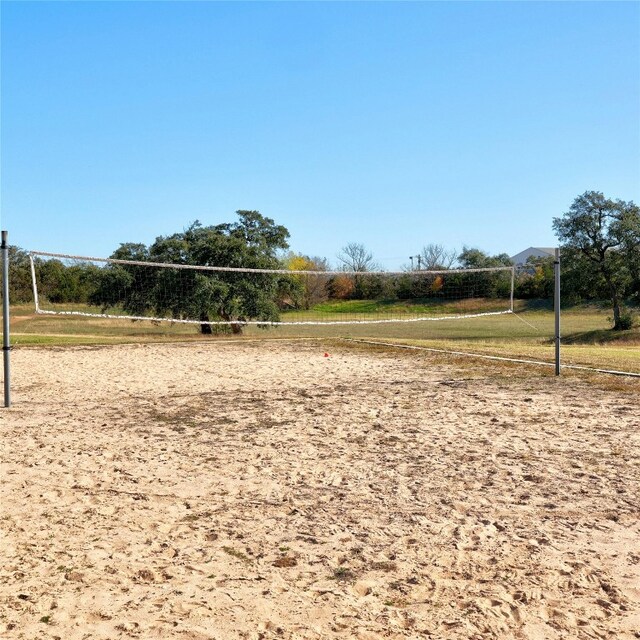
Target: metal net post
6, 344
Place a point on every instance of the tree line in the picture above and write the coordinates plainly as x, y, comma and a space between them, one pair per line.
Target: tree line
600, 241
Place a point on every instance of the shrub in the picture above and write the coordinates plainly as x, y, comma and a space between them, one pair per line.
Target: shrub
627, 320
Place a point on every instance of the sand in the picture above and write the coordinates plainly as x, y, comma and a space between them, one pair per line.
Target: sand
263, 490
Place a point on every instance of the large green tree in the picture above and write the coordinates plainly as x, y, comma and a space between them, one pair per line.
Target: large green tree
601, 239
536, 280
489, 284
472, 258
20, 288
252, 242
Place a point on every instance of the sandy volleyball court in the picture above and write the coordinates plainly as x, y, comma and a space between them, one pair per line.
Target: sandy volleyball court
262, 490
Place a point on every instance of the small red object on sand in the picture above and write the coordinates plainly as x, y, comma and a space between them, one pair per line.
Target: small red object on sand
326, 355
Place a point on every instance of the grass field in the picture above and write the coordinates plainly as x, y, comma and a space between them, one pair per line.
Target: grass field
587, 339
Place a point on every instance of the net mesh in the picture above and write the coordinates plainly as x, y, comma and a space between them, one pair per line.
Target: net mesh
218, 295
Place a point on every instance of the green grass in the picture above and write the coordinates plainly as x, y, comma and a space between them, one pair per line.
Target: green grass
27, 328
373, 309
587, 338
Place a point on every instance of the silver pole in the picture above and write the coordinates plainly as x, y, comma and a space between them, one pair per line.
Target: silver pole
6, 345
34, 285
556, 306
513, 286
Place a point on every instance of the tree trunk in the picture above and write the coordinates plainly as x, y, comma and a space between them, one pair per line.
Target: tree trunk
615, 300
616, 312
236, 327
205, 328
613, 290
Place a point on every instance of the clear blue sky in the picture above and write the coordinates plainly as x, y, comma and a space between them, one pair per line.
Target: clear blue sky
391, 124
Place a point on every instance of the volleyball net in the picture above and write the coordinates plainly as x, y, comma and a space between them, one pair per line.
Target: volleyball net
225, 295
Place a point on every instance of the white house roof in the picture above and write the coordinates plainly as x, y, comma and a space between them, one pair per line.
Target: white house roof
536, 252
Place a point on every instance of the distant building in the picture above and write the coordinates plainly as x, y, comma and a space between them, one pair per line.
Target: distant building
537, 252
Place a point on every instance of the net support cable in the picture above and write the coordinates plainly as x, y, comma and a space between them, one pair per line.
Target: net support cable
485, 356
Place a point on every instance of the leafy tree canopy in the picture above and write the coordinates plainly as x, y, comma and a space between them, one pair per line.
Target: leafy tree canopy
252, 242
601, 239
472, 258
306, 290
